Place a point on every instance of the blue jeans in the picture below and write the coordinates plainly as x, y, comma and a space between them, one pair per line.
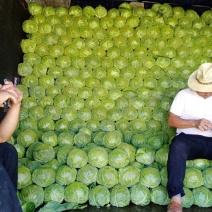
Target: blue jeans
8, 178
185, 147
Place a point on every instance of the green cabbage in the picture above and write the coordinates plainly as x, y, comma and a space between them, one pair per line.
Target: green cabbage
120, 196
99, 196
76, 193
140, 194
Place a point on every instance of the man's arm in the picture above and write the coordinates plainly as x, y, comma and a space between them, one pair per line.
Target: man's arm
177, 122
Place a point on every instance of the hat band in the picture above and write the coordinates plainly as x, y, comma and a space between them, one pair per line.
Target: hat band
207, 83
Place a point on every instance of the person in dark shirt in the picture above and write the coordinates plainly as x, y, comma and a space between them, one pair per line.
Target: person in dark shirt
9, 201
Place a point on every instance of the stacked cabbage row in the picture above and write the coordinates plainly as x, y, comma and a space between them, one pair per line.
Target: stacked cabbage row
97, 88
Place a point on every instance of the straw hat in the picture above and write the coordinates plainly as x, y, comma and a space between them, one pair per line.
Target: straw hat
201, 79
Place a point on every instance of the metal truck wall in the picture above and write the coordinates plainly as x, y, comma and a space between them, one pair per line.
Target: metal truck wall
12, 15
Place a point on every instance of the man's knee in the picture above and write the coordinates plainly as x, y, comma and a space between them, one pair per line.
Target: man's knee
178, 144
178, 148
9, 151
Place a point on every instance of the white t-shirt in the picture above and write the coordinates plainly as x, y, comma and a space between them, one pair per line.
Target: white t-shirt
189, 105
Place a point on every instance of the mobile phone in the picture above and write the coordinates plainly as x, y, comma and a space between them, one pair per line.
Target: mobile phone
7, 103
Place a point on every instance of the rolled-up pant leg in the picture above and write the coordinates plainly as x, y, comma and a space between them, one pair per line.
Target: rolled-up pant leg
185, 147
9, 160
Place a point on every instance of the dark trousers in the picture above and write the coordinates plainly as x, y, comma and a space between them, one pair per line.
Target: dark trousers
185, 147
8, 179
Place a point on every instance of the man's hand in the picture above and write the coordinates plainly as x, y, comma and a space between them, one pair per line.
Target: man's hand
203, 124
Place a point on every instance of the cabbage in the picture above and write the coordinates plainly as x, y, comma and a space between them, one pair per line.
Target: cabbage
48, 11
75, 10
164, 176
106, 22
76, 193
138, 125
206, 177
87, 174
43, 176
48, 61
98, 137
129, 149
43, 153
54, 192
138, 140
53, 112
98, 157
30, 26
88, 11
24, 177
30, 80
159, 195
81, 139
50, 138
107, 176
27, 45
77, 158
118, 158
122, 125
89, 146
54, 163
86, 32
61, 125
115, 94
108, 103
188, 198
77, 103
161, 156
27, 137
19, 148
99, 196
63, 61
100, 92
80, 21
207, 16
93, 125
32, 193
119, 196
156, 142
129, 175
145, 155
51, 20
113, 13
65, 175
140, 194
45, 28
201, 164
34, 8
112, 139
65, 139
193, 178
63, 152
76, 124
37, 91
99, 113
202, 196
93, 22
150, 177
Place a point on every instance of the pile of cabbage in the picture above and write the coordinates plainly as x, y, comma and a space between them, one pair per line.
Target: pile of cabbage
98, 84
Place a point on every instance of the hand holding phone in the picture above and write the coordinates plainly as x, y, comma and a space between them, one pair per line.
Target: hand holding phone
7, 103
